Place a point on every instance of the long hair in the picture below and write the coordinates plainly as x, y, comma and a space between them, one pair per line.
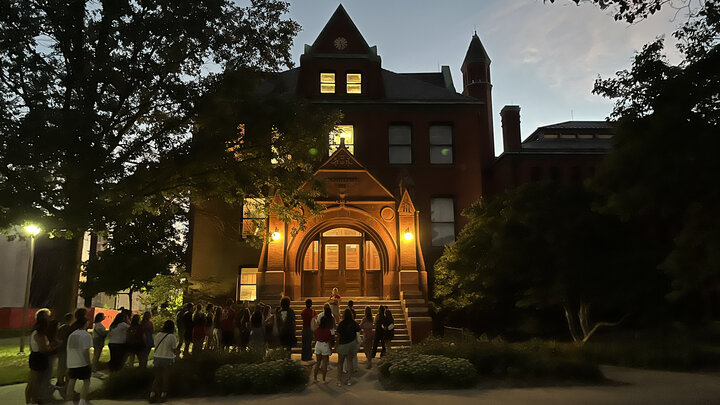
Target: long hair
99, 317
368, 314
347, 315
135, 321
380, 318
120, 317
168, 327
326, 322
326, 311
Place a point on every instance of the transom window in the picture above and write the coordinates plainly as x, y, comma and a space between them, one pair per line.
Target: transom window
341, 232
354, 83
327, 83
441, 144
345, 133
442, 217
400, 144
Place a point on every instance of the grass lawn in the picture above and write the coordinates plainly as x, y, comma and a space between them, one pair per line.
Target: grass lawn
14, 369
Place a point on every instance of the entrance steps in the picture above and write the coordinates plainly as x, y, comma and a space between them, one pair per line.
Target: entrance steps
402, 336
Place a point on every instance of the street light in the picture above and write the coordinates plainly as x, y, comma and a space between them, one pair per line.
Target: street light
33, 231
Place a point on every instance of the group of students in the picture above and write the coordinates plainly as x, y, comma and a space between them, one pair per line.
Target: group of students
235, 327
347, 335
70, 344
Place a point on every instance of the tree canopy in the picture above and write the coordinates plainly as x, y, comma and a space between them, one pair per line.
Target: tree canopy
664, 167
101, 100
541, 246
631, 10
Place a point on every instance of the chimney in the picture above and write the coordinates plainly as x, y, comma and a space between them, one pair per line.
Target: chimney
511, 127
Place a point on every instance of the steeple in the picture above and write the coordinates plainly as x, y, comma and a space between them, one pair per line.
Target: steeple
476, 51
475, 67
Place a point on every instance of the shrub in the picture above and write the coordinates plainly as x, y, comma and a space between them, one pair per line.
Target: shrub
189, 376
405, 369
499, 359
260, 378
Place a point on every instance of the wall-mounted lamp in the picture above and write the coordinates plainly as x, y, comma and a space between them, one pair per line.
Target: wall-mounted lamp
408, 235
275, 235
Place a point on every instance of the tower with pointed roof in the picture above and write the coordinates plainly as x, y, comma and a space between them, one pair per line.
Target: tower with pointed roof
476, 83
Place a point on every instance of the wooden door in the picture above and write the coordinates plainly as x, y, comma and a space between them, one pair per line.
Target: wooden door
342, 265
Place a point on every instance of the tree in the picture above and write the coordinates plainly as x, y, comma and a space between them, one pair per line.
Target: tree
164, 295
631, 10
664, 169
135, 253
541, 246
100, 99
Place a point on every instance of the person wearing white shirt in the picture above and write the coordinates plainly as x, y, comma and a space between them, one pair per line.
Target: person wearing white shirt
78, 357
116, 341
166, 347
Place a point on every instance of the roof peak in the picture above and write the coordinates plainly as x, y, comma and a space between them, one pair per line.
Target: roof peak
476, 51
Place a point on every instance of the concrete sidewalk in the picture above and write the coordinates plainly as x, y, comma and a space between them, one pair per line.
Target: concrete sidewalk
634, 387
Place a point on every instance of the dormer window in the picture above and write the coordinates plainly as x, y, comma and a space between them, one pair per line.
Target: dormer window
327, 83
354, 83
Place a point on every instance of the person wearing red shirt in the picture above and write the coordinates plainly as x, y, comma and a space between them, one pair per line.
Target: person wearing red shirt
307, 315
227, 325
323, 337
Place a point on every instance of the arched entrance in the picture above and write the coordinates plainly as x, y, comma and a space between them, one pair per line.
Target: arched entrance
345, 257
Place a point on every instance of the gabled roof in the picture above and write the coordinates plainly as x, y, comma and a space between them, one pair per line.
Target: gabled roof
341, 37
476, 51
583, 136
347, 179
420, 87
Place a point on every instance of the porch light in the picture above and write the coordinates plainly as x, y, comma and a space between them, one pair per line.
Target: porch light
408, 235
275, 235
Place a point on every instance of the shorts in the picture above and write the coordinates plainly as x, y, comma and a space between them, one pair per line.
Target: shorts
38, 361
162, 361
323, 348
79, 373
348, 348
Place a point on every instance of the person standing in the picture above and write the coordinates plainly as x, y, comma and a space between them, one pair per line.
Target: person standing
99, 332
389, 327
117, 337
78, 357
64, 330
216, 330
285, 321
198, 334
334, 302
40, 346
367, 327
165, 350
347, 331
307, 316
323, 338
187, 322
257, 331
148, 329
228, 325
379, 332
209, 314
135, 342
179, 321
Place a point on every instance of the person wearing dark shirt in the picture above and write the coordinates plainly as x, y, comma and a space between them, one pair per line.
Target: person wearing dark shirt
347, 332
187, 321
285, 324
379, 332
228, 325
64, 330
307, 315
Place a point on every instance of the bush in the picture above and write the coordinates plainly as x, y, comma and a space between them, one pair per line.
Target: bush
260, 378
190, 376
499, 359
405, 369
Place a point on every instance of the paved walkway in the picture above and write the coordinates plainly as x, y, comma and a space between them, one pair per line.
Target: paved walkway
633, 387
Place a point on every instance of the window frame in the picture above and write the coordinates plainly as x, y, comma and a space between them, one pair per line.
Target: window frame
334, 82
350, 149
347, 82
410, 145
252, 220
452, 142
454, 217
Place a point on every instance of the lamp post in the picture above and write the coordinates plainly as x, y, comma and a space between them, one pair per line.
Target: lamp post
33, 231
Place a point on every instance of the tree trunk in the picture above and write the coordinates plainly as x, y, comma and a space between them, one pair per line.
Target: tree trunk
572, 324
580, 329
92, 255
67, 287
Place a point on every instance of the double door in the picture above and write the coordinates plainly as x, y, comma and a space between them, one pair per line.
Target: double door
342, 265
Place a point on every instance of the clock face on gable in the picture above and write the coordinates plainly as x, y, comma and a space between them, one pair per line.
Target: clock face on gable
340, 43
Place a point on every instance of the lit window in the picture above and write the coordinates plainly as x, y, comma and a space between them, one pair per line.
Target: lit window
344, 132
247, 284
442, 216
253, 216
312, 257
441, 144
354, 83
400, 144
327, 82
